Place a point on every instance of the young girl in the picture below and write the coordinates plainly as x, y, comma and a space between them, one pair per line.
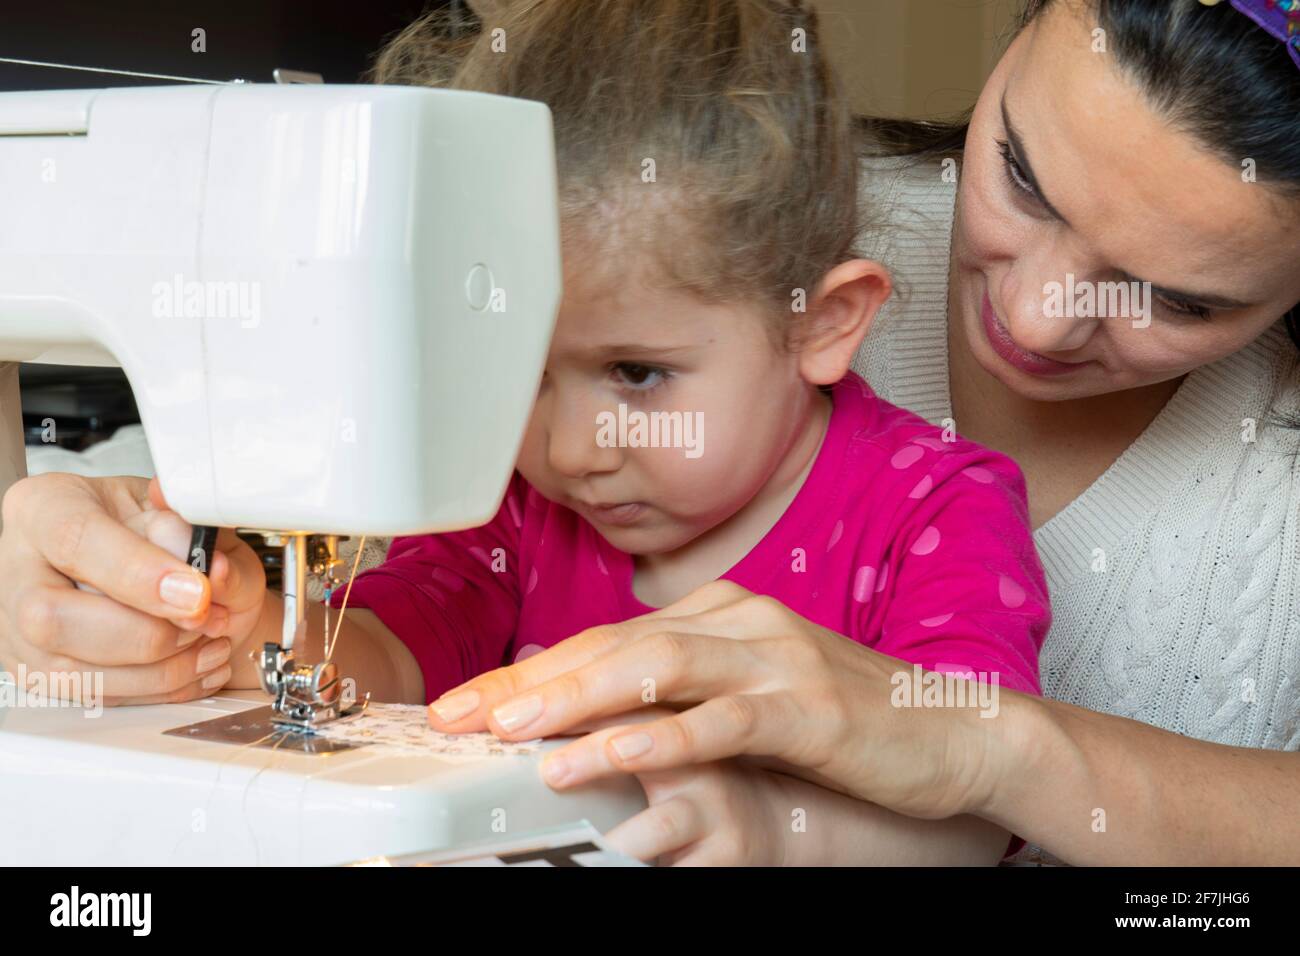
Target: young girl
708, 186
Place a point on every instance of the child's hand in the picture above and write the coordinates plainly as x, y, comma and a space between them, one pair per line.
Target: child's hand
723, 813
715, 814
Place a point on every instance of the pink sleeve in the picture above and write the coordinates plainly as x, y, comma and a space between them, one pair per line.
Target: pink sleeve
968, 591
452, 598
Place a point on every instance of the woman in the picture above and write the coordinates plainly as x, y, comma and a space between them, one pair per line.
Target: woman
1166, 505
1090, 157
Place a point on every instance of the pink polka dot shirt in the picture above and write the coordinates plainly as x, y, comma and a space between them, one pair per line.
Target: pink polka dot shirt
912, 545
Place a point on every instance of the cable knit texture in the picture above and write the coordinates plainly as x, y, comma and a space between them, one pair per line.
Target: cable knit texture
1175, 577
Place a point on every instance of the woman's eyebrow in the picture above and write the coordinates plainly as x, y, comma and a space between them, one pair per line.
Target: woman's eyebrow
1022, 160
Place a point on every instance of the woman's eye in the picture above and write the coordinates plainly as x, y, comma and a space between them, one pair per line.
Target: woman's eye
1184, 308
639, 378
1015, 174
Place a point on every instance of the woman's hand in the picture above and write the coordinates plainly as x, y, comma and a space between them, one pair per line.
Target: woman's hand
158, 630
749, 677
715, 814
719, 814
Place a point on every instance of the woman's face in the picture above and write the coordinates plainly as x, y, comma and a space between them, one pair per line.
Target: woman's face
1097, 248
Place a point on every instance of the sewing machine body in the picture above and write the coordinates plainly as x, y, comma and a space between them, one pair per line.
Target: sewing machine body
332, 302
115, 789
333, 305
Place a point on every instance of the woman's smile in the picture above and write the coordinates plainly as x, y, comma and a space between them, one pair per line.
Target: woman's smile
1000, 340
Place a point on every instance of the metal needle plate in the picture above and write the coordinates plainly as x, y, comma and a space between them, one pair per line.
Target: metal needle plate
255, 727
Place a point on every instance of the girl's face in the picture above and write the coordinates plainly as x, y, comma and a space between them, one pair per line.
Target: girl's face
1072, 184
740, 405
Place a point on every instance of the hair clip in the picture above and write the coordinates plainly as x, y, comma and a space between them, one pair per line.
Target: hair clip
1280, 18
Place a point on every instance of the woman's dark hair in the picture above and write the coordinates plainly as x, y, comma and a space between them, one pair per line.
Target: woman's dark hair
1211, 70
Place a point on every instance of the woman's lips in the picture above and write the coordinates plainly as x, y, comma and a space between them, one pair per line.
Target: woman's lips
1000, 341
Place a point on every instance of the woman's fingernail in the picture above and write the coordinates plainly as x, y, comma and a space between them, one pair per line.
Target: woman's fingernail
455, 706
214, 655
187, 638
631, 745
518, 713
555, 771
182, 591
218, 679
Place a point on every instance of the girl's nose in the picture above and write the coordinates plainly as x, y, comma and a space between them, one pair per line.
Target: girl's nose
572, 448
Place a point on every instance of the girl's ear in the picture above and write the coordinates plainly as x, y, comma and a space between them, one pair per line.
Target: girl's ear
840, 315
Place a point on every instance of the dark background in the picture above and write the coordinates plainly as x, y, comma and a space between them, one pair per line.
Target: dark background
246, 39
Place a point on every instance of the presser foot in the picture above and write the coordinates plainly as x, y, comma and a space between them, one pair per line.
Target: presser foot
305, 696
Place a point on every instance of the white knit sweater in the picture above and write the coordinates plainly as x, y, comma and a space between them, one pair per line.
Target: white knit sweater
1194, 624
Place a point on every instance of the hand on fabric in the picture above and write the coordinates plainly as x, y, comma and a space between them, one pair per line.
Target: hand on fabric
747, 677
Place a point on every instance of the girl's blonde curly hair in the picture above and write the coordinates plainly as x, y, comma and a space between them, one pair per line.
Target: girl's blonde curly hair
731, 103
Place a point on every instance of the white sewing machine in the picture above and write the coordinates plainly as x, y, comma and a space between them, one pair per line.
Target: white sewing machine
333, 305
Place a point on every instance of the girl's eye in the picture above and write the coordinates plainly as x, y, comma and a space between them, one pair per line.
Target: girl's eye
639, 378
1015, 175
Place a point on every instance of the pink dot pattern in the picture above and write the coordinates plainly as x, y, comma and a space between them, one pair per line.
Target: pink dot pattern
909, 544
